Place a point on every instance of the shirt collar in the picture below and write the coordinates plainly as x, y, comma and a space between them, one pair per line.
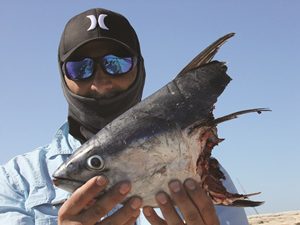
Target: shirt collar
63, 142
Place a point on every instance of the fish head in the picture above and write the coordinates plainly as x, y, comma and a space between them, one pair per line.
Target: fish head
148, 154
79, 168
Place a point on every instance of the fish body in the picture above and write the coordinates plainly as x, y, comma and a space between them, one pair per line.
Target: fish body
168, 135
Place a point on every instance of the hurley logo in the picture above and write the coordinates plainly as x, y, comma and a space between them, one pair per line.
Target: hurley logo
100, 22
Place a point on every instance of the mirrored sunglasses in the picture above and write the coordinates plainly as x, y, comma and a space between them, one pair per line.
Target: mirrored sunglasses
111, 64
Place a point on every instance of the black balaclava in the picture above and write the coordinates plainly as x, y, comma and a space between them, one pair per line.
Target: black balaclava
88, 115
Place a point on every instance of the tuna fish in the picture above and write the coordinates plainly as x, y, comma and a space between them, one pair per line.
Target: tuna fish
168, 135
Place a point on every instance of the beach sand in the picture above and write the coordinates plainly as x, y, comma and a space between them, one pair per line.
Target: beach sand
282, 218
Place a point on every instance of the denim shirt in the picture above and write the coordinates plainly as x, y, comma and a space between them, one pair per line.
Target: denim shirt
27, 193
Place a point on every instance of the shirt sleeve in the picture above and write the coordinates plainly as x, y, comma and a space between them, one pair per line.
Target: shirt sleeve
12, 199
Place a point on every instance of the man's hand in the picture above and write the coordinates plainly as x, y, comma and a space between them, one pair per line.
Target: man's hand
196, 207
83, 208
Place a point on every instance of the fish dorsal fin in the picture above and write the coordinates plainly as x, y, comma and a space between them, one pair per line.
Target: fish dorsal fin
206, 55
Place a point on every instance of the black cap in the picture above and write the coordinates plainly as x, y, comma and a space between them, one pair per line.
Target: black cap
96, 24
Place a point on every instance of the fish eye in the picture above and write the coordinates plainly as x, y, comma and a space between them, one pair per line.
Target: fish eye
95, 162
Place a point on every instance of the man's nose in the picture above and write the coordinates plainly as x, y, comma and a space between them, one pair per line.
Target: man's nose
101, 79
100, 75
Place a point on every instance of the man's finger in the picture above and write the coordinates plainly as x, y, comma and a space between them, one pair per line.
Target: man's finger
126, 215
152, 216
185, 204
107, 202
167, 209
202, 201
131, 221
83, 196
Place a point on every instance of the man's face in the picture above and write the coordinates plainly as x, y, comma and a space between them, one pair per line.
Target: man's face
101, 84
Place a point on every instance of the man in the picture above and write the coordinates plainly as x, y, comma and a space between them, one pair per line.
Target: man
102, 73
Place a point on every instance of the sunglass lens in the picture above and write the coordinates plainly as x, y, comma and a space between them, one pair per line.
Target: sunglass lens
79, 70
115, 65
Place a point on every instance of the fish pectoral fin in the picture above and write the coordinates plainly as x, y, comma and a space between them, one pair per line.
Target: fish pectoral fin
206, 55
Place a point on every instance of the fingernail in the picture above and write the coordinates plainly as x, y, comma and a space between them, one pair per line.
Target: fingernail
190, 184
147, 211
175, 186
136, 203
101, 180
124, 188
162, 198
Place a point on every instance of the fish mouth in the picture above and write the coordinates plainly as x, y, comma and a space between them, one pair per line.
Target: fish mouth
209, 170
67, 184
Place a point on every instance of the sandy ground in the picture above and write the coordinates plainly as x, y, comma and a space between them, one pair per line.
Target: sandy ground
283, 218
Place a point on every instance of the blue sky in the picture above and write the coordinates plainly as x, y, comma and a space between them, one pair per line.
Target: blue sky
260, 151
